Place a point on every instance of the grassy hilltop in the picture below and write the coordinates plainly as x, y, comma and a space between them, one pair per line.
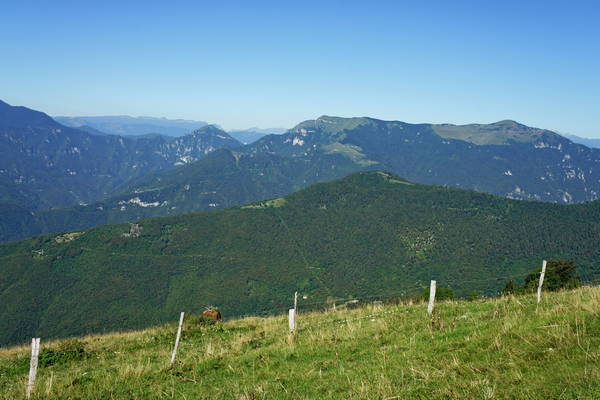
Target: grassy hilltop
502, 348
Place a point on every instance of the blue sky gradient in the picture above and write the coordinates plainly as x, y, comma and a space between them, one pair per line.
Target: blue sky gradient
274, 64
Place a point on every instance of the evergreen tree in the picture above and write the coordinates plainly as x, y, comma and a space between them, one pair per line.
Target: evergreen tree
511, 287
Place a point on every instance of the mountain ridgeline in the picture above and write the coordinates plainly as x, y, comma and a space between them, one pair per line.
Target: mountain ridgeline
371, 233
48, 165
124, 125
57, 179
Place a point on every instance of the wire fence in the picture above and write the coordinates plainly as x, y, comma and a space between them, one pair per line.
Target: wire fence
415, 292
331, 303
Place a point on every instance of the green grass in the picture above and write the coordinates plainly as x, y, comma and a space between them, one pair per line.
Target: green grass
505, 348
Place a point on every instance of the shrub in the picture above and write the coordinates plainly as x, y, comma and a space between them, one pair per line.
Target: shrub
560, 274
69, 350
474, 296
440, 294
511, 287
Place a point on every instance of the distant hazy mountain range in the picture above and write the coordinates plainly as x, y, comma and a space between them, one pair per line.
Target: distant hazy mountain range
48, 165
250, 135
594, 143
144, 126
130, 126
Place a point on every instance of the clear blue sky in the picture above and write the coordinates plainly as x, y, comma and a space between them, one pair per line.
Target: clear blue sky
274, 64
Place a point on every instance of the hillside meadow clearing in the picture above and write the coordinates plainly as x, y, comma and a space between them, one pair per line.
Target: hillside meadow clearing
502, 348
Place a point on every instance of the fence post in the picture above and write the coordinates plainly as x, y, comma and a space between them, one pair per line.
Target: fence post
296, 301
174, 354
33, 364
539, 291
431, 298
292, 320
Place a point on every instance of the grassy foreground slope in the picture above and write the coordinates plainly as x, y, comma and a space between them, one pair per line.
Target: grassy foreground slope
494, 349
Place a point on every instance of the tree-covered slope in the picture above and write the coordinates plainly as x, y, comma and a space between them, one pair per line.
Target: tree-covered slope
224, 178
368, 234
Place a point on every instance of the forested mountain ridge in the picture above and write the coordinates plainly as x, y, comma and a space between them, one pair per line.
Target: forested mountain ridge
505, 158
224, 178
47, 165
367, 234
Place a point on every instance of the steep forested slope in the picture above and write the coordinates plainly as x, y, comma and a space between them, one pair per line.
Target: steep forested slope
370, 233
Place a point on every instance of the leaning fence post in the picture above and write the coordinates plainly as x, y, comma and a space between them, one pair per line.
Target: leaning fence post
174, 354
539, 291
33, 364
431, 298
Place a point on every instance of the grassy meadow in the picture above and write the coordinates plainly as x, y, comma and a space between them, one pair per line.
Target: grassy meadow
503, 348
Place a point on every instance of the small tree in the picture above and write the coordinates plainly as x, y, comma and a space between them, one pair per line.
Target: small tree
560, 274
511, 287
440, 294
474, 296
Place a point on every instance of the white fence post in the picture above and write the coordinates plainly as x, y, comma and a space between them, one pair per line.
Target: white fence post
431, 298
539, 291
174, 354
33, 364
292, 320
296, 301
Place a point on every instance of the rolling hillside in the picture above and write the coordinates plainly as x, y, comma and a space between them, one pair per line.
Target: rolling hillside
507, 348
371, 233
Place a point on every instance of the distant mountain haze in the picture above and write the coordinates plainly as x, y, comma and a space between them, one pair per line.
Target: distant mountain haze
589, 142
132, 126
137, 126
250, 135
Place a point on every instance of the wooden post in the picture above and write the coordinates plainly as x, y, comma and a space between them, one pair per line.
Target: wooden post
174, 354
431, 298
292, 320
539, 291
33, 364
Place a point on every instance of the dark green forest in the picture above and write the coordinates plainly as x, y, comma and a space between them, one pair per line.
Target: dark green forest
369, 234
